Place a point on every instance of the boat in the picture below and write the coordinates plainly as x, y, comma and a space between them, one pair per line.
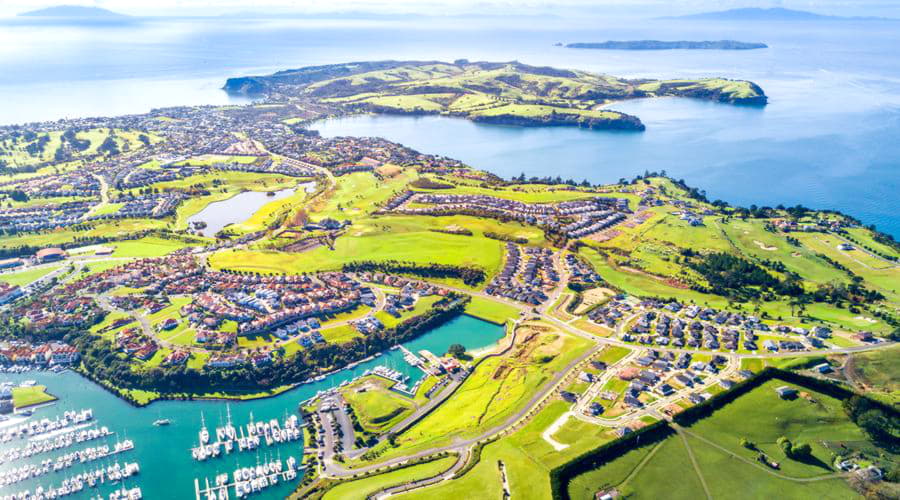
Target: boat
204, 432
161, 422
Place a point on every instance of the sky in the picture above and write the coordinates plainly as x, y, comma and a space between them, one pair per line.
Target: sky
624, 8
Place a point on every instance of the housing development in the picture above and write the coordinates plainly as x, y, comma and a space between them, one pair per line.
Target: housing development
456, 333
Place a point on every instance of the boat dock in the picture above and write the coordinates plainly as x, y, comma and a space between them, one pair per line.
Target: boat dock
87, 455
245, 481
75, 484
230, 437
62, 441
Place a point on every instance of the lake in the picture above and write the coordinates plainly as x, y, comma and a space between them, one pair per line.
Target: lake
236, 209
827, 139
167, 469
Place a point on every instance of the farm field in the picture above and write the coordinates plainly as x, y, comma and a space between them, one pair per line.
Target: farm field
879, 371
759, 416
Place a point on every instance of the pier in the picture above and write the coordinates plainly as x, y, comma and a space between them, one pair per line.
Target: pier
84, 456
257, 433
47, 445
76, 484
246, 481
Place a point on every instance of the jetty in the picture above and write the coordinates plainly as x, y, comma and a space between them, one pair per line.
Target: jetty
229, 437
245, 481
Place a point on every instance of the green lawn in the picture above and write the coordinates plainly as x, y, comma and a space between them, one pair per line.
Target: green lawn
494, 391
376, 407
362, 488
27, 276
30, 396
491, 310
423, 305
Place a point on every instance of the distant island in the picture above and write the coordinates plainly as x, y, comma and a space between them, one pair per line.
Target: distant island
661, 45
772, 14
73, 11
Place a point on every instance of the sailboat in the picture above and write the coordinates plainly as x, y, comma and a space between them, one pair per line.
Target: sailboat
159, 422
204, 432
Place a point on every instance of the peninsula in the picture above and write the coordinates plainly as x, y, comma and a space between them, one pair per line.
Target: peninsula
662, 45
508, 93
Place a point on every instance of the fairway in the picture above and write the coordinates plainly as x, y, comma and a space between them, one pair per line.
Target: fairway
418, 247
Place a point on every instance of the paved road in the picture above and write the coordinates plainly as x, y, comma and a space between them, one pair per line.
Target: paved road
446, 475
338, 471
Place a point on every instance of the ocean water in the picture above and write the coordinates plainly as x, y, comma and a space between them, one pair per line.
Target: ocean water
828, 138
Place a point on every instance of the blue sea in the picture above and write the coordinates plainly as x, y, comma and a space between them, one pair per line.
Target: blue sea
828, 138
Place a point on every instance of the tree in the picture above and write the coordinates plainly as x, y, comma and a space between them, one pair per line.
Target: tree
746, 443
456, 350
801, 450
786, 446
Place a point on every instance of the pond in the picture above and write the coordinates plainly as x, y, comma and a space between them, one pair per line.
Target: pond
240, 207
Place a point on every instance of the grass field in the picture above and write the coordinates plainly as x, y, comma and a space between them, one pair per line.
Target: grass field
494, 391
150, 246
27, 276
491, 310
880, 371
30, 396
376, 407
527, 456
362, 488
420, 247
759, 416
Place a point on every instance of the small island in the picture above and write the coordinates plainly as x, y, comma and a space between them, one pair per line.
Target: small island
668, 45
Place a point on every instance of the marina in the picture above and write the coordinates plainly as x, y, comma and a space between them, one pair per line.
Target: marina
246, 481
163, 450
57, 443
229, 437
63, 462
76, 484
45, 427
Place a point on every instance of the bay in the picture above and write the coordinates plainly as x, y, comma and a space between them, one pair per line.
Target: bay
827, 139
